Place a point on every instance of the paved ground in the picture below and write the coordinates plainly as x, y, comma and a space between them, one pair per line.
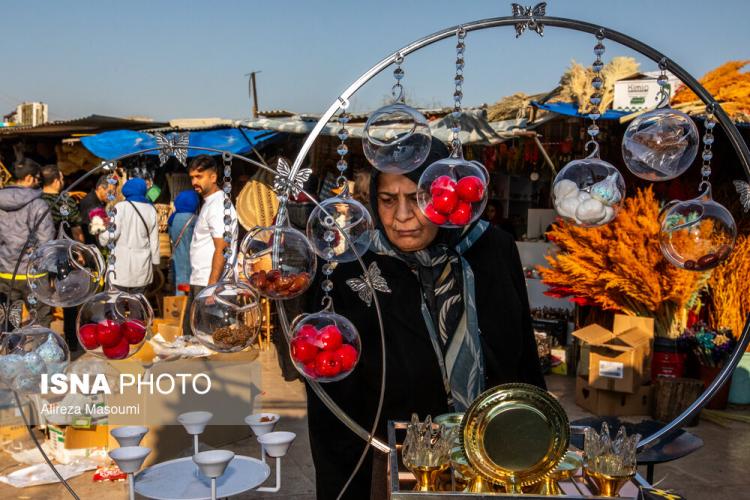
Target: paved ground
718, 471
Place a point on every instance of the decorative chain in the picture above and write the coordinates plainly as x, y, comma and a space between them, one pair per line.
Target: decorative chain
111, 225
397, 91
342, 149
228, 219
458, 92
709, 122
597, 83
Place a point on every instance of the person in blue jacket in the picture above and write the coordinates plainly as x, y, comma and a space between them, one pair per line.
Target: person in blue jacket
181, 224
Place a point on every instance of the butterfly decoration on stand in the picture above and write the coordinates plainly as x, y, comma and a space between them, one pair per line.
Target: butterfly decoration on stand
172, 145
539, 10
282, 181
360, 285
743, 189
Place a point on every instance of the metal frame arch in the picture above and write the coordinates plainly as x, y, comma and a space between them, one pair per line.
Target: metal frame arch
731, 131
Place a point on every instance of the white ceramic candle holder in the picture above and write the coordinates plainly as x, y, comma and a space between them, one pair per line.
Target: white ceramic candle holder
130, 459
129, 435
212, 464
262, 423
276, 444
195, 423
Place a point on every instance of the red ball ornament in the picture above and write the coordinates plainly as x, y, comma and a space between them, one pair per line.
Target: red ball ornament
108, 333
134, 330
442, 183
435, 216
303, 350
327, 364
87, 336
330, 338
307, 331
118, 351
444, 201
470, 189
461, 215
347, 355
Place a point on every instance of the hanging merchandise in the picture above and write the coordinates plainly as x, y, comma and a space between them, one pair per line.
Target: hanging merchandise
113, 324
226, 316
28, 353
590, 191
279, 261
452, 192
64, 272
325, 346
661, 144
396, 137
698, 234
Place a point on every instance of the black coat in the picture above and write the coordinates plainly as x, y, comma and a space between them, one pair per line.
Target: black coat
413, 378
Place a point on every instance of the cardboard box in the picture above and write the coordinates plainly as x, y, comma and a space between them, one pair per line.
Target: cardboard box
72, 438
612, 404
617, 360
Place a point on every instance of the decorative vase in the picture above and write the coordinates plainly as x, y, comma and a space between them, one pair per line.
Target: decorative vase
707, 375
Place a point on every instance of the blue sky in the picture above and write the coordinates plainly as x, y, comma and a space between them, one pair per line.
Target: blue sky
177, 59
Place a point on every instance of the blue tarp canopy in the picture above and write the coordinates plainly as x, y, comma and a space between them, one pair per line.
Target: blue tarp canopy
116, 143
571, 109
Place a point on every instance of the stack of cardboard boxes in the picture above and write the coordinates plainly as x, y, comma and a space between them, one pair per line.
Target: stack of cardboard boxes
614, 367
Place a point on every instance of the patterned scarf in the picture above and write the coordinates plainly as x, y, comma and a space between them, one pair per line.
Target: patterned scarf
449, 310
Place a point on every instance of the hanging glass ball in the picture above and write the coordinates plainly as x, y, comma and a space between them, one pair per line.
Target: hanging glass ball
660, 145
279, 261
64, 273
226, 317
325, 347
588, 192
452, 192
697, 234
29, 352
396, 139
114, 324
330, 242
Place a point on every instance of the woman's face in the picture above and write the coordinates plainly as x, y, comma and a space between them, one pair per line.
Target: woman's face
405, 225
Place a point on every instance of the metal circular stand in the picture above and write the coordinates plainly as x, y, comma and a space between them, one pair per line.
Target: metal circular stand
743, 153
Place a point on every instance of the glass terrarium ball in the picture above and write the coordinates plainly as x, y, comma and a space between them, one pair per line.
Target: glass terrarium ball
452, 192
64, 273
588, 192
332, 222
226, 317
660, 145
114, 324
279, 261
325, 347
29, 352
396, 139
697, 234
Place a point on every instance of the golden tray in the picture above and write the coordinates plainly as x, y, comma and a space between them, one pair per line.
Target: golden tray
515, 435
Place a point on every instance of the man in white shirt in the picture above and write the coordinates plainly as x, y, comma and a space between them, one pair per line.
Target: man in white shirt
208, 244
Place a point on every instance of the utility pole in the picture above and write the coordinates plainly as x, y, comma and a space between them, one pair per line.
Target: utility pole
253, 91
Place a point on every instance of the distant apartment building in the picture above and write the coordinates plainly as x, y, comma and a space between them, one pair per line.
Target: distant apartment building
31, 113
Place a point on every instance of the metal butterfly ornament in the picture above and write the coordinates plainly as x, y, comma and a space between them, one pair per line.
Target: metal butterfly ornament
172, 145
539, 10
282, 181
743, 189
360, 285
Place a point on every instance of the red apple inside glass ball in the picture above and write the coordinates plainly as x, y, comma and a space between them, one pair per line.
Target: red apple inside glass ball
445, 201
470, 189
303, 351
461, 215
117, 351
88, 337
347, 355
327, 364
442, 183
134, 330
435, 217
108, 333
330, 338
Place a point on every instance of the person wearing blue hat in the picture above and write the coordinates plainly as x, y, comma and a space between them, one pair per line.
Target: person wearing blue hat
181, 224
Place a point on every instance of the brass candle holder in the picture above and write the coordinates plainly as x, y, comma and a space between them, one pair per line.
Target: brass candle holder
426, 451
564, 471
609, 464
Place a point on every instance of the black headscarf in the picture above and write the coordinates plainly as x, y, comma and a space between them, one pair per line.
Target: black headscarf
442, 276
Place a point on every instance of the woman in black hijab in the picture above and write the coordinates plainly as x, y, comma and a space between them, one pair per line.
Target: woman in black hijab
457, 322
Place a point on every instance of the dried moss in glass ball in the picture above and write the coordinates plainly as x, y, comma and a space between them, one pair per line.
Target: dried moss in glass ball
226, 316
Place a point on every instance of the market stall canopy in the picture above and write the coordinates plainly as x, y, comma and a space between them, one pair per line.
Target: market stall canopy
571, 109
92, 124
116, 143
475, 129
